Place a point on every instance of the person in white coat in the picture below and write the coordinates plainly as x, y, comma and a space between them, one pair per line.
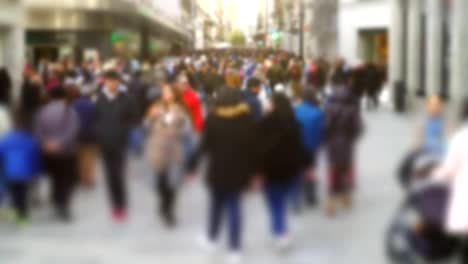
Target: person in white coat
454, 171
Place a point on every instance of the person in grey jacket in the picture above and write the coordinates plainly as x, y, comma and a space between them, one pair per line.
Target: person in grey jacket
56, 127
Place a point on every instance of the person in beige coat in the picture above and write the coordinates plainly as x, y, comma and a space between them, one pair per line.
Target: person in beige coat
169, 127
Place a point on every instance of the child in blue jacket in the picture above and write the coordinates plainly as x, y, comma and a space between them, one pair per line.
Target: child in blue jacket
20, 163
312, 123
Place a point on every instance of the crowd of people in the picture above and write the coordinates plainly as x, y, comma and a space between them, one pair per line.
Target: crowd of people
259, 119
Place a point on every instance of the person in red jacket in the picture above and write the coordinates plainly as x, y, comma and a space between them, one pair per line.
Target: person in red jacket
192, 102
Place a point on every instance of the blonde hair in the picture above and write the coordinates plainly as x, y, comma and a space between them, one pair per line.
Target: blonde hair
434, 104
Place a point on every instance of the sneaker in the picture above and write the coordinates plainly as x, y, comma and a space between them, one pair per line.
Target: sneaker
119, 215
284, 243
207, 244
234, 257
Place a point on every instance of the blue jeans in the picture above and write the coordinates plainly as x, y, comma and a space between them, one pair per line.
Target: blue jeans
3, 189
277, 197
232, 203
295, 191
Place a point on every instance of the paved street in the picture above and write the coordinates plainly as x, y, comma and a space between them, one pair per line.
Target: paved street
353, 237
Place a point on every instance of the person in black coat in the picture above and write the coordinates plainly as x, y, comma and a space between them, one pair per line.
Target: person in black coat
5, 86
343, 127
114, 118
228, 141
31, 95
283, 158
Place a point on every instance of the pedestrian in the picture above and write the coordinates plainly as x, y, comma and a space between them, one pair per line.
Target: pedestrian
295, 76
283, 158
192, 102
343, 126
454, 171
5, 86
339, 74
312, 125
251, 96
57, 127
31, 95
373, 83
114, 119
228, 141
275, 74
169, 125
87, 149
20, 162
431, 133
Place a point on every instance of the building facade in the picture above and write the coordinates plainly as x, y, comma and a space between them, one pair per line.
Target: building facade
428, 43
422, 42
105, 27
363, 30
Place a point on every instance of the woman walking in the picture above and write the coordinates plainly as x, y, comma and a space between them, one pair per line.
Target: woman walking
283, 158
169, 127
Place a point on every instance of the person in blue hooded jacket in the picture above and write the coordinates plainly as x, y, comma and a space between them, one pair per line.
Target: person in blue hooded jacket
312, 125
20, 163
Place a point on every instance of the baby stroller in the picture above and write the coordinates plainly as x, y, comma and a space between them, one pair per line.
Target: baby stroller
416, 234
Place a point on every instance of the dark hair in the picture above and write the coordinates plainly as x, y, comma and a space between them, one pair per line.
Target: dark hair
19, 119
310, 95
57, 92
283, 111
228, 97
113, 75
253, 83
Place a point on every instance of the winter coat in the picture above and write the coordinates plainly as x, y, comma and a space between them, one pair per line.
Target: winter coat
193, 104
373, 79
5, 86
30, 100
275, 75
166, 137
282, 155
454, 170
58, 121
20, 156
229, 141
86, 112
312, 123
254, 103
114, 119
137, 90
343, 126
